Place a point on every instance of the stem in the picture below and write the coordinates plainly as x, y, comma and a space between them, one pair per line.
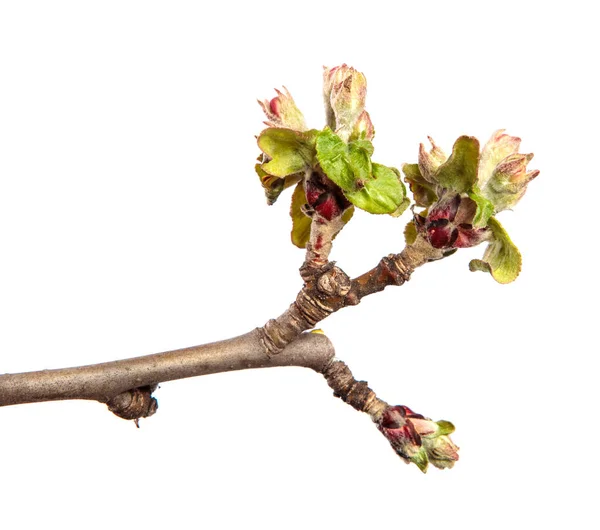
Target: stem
320, 242
124, 383
356, 393
329, 289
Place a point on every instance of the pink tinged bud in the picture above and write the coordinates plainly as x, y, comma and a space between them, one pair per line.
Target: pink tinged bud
439, 233
401, 434
363, 128
445, 209
418, 439
502, 173
326, 201
430, 161
344, 92
313, 191
327, 206
449, 224
281, 111
498, 147
512, 172
465, 236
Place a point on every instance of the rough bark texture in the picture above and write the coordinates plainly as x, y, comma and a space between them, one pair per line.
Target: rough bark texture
356, 393
329, 289
126, 385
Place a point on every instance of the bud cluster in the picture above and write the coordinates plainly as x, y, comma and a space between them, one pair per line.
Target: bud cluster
418, 439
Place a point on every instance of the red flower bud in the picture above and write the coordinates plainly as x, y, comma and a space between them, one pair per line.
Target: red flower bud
418, 439
448, 224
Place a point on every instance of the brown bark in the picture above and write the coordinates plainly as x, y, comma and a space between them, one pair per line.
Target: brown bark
126, 385
329, 289
356, 393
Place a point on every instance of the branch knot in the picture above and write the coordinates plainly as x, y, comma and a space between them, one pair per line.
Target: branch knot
134, 404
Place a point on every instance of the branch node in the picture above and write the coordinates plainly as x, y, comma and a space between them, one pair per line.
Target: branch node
396, 269
310, 272
134, 404
334, 282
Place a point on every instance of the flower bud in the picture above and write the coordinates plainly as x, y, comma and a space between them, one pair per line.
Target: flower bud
344, 91
282, 111
509, 181
502, 174
363, 128
325, 198
430, 161
418, 439
448, 224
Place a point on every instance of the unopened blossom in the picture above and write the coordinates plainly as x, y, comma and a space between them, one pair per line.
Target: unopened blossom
502, 173
345, 92
418, 439
363, 128
449, 224
429, 161
281, 111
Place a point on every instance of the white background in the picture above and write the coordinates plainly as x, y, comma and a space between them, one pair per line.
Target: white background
132, 222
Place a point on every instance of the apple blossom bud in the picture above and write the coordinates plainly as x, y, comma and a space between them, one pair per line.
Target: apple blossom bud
344, 91
281, 111
448, 224
509, 181
418, 439
502, 172
429, 161
324, 197
363, 128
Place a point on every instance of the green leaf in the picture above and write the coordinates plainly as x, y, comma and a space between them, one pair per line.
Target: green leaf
300, 221
289, 151
406, 201
444, 428
420, 459
345, 164
423, 191
372, 187
459, 172
502, 258
382, 193
485, 209
274, 185
410, 233
346, 216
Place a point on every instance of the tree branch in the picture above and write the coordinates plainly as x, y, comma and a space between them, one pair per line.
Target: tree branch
126, 385
329, 289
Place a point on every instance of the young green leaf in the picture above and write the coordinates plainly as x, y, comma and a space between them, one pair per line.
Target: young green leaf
502, 258
422, 190
300, 221
345, 164
372, 187
410, 233
272, 185
289, 151
384, 192
485, 209
459, 172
